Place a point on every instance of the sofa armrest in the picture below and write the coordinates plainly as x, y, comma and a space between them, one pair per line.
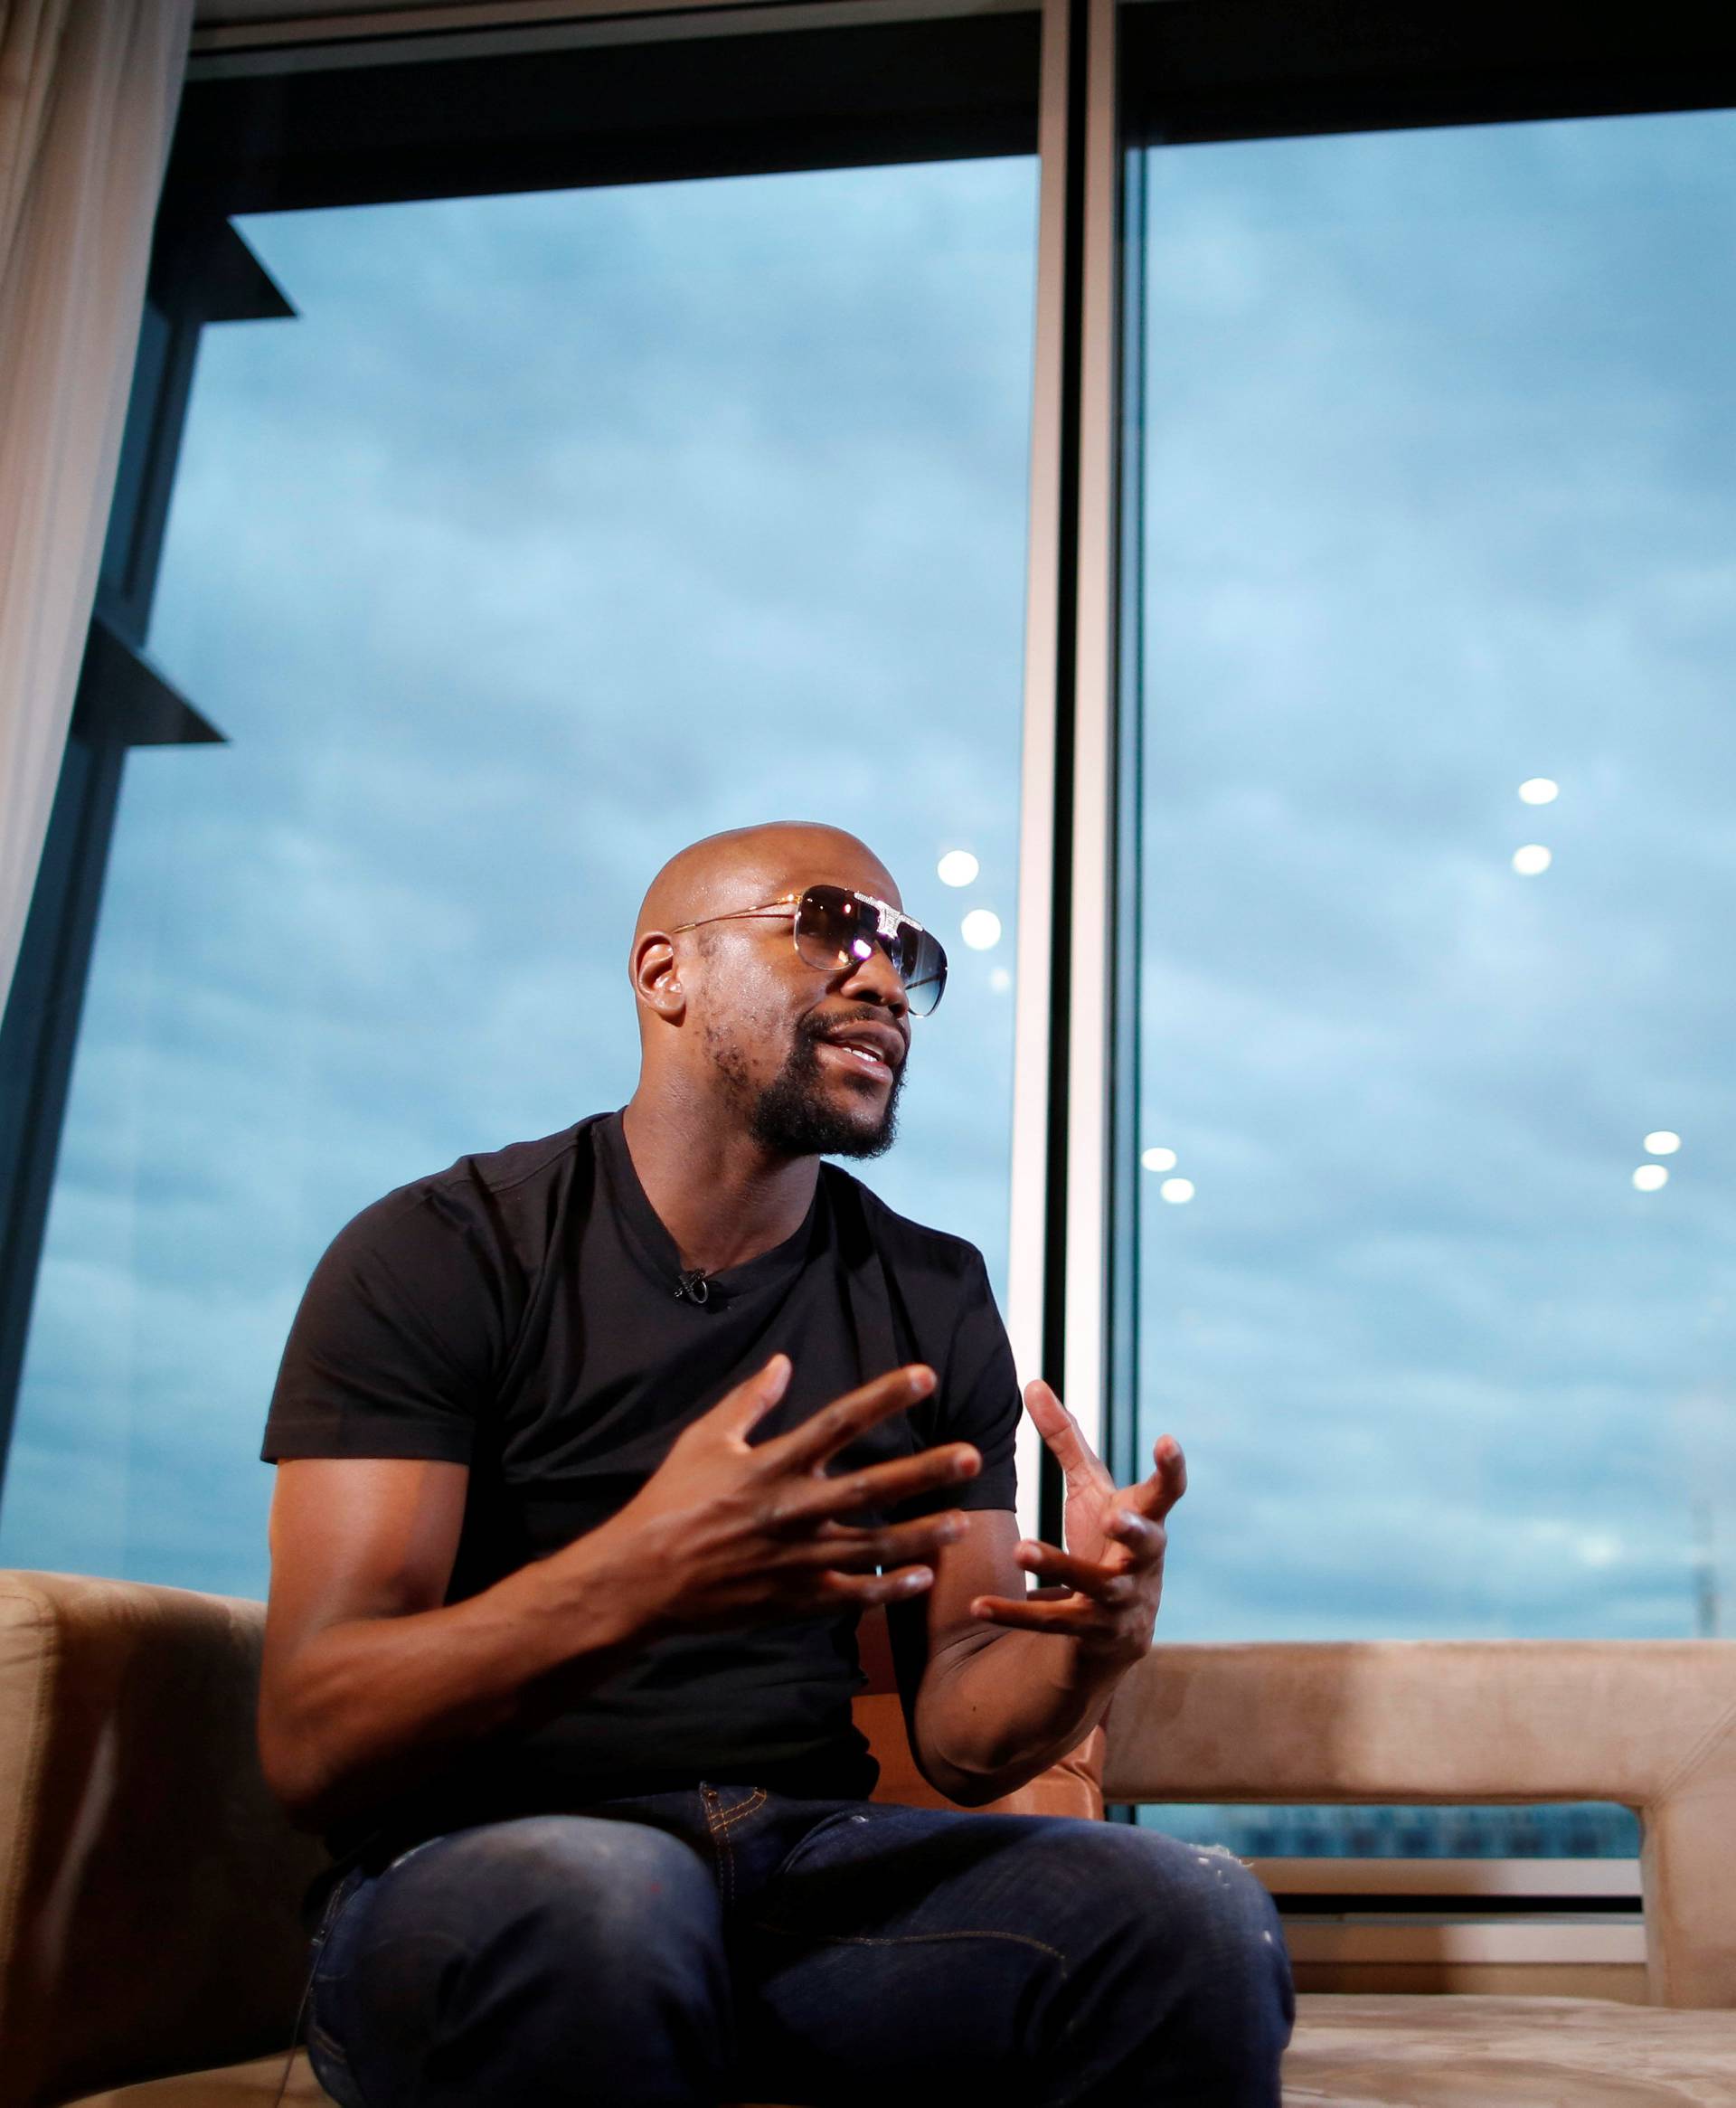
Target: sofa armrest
149, 1885
1650, 1723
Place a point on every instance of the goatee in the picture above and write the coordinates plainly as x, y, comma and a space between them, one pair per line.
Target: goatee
797, 1115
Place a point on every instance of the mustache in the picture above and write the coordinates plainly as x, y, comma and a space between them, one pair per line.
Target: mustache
818, 1028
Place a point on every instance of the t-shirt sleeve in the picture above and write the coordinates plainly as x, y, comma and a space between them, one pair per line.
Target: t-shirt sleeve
394, 1349
977, 1400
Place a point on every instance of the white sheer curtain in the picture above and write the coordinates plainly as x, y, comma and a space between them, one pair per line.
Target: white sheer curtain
87, 95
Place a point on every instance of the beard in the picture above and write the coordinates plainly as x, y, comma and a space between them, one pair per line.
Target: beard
796, 1114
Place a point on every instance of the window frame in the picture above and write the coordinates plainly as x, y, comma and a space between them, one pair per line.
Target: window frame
1110, 75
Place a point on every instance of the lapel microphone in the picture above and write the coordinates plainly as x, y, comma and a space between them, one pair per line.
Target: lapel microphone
693, 1288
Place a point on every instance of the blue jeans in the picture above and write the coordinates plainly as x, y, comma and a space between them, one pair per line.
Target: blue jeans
726, 1944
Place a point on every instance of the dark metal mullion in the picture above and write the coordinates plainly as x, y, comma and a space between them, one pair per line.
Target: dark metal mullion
137, 579
39, 1029
1051, 1488
1122, 1397
40, 1032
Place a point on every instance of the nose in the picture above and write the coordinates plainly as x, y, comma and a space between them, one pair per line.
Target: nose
875, 980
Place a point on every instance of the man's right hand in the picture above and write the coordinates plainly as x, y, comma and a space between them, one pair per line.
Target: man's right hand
727, 1533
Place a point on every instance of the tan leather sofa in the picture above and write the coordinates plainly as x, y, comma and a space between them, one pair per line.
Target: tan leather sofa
147, 1885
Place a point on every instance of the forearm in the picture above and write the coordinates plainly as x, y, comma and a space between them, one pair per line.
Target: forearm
1010, 1709
373, 1706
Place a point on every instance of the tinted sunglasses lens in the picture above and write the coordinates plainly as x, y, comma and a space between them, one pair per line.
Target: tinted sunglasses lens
925, 977
835, 929
832, 928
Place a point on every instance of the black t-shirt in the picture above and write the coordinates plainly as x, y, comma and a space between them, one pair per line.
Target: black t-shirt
518, 1313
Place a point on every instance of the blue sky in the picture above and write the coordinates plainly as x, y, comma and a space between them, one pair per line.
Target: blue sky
560, 530
1441, 497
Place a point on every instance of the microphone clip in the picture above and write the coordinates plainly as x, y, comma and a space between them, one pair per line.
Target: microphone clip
693, 1288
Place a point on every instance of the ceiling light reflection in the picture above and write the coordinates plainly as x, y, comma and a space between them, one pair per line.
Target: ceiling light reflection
1539, 791
1157, 1159
957, 867
1177, 1189
981, 928
1532, 859
1649, 1178
1662, 1142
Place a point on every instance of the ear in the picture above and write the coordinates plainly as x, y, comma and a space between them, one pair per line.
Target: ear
657, 982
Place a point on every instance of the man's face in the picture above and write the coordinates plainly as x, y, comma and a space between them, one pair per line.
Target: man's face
812, 1062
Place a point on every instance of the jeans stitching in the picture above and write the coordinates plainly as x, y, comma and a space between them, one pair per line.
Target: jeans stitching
742, 1808
338, 2066
343, 1894
911, 1939
717, 1825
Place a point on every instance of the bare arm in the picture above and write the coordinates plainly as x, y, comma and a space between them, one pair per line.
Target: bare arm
997, 1684
371, 1681
987, 1710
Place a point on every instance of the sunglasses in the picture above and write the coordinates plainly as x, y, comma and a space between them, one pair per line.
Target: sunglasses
834, 928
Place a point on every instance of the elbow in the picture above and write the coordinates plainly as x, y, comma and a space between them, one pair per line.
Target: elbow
294, 1776
292, 1785
964, 1786
968, 1789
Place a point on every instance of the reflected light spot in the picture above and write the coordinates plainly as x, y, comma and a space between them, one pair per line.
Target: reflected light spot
1539, 791
1662, 1142
957, 867
861, 947
1000, 980
1157, 1159
1532, 859
1648, 1177
981, 928
1177, 1189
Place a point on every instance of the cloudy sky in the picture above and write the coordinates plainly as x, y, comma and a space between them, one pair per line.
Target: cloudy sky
560, 530
1442, 497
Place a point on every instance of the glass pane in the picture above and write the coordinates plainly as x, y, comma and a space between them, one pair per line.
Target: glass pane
1439, 517
546, 540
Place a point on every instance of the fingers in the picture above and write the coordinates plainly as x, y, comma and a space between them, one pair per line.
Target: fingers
1155, 1497
850, 1551
868, 1589
1061, 1430
739, 1411
880, 1486
1103, 1585
1069, 1613
839, 1424
1144, 1538
1170, 1470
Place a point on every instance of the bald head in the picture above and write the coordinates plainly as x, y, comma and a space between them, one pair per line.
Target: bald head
745, 865
733, 1018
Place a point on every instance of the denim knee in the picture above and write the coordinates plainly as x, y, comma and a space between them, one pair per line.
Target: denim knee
507, 1961
1178, 1965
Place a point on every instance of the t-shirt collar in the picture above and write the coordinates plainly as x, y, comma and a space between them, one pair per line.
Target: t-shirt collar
657, 1249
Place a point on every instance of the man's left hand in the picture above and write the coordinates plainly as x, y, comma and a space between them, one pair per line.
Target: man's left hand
1104, 1590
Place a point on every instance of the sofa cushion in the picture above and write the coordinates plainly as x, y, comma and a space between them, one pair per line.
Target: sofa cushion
1466, 2051
1379, 2051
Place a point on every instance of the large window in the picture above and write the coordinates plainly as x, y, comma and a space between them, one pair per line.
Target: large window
558, 530
667, 436
1438, 1237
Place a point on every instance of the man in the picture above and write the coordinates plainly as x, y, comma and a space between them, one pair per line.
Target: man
590, 1453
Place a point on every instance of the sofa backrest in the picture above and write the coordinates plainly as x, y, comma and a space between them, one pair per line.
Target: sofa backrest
149, 1885
1649, 1722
